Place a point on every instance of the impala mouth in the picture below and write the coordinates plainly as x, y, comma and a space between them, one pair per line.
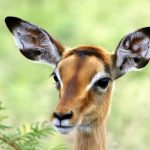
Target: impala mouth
63, 129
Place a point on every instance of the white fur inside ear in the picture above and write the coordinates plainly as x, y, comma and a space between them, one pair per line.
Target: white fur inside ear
121, 55
125, 61
134, 45
31, 37
142, 44
145, 53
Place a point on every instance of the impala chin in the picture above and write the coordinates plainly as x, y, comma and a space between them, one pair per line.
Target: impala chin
64, 127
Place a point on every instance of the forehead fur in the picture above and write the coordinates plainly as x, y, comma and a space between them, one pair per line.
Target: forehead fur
78, 64
84, 61
86, 51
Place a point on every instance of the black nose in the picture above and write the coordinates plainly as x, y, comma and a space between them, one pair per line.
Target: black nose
63, 116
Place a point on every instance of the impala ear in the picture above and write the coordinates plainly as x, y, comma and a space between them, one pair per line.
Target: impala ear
33, 42
133, 52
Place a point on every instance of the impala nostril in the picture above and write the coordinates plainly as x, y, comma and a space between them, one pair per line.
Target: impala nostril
63, 116
56, 115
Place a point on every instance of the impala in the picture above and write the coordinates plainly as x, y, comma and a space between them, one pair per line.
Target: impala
84, 77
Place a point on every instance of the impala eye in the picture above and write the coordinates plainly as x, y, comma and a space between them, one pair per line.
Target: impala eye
55, 78
56, 81
103, 83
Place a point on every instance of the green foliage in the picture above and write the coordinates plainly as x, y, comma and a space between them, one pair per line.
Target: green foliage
27, 137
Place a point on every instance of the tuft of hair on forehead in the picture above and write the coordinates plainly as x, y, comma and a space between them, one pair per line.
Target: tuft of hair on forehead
88, 51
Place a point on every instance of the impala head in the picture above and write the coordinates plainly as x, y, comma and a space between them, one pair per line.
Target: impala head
84, 75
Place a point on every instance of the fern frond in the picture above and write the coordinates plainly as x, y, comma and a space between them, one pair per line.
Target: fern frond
59, 147
26, 137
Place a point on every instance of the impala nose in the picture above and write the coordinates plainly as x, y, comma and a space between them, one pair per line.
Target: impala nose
63, 116
61, 122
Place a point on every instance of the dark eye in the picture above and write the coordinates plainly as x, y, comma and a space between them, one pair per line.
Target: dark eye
103, 83
55, 78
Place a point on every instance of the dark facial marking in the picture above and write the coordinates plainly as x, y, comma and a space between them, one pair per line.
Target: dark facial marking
31, 54
12, 22
84, 53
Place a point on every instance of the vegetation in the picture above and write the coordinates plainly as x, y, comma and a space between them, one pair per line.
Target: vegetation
29, 93
27, 137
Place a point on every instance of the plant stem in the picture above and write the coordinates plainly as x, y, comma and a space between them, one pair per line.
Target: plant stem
13, 145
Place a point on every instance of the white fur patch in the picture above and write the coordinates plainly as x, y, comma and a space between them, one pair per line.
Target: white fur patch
58, 76
97, 76
85, 128
64, 128
64, 122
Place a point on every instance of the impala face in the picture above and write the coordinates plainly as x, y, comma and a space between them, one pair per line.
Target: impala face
84, 75
83, 79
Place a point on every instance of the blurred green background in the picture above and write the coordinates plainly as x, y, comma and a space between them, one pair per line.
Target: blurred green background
27, 90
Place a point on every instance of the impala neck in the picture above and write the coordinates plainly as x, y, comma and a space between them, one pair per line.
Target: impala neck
92, 140
93, 137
